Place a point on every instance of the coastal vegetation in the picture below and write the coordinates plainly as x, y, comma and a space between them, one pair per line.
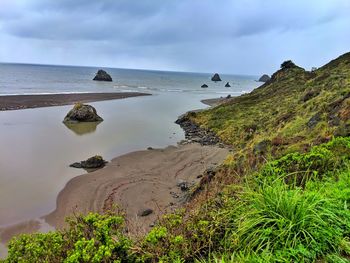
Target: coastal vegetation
282, 195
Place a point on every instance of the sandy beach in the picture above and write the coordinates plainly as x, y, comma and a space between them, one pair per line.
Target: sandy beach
137, 181
148, 179
15, 102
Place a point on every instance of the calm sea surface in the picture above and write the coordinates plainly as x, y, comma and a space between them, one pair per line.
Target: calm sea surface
36, 148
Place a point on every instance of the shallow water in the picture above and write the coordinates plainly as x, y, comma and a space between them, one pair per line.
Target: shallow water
36, 148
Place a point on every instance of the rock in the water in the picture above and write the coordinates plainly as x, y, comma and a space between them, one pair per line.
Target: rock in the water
227, 85
264, 78
145, 212
228, 96
216, 77
94, 162
204, 86
102, 75
82, 113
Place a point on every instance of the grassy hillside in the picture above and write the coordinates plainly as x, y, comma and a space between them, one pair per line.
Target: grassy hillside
288, 197
292, 112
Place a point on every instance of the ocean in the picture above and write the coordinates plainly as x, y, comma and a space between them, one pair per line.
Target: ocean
45, 79
36, 148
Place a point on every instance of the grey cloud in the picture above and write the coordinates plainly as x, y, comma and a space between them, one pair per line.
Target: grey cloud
181, 33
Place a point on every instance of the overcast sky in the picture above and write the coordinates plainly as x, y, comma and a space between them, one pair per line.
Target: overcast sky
228, 36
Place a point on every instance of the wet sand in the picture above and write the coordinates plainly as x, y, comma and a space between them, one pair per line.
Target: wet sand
137, 181
15, 102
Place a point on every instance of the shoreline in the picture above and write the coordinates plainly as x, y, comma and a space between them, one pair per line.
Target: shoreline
215, 101
17, 102
138, 180
159, 179
146, 179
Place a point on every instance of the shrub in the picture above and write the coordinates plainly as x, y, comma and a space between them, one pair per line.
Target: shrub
90, 238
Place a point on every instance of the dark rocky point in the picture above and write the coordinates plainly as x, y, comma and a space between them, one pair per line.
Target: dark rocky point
102, 75
287, 64
264, 78
82, 113
194, 133
216, 77
227, 85
94, 162
204, 86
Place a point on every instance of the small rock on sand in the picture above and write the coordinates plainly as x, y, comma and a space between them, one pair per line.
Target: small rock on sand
145, 212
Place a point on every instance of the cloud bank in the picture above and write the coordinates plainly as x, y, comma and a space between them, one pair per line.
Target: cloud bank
237, 36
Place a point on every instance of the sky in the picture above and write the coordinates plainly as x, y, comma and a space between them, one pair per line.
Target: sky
227, 36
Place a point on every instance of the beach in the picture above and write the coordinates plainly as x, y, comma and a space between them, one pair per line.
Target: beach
149, 179
15, 102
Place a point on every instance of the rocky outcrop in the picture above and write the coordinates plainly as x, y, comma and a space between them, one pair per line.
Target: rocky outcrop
288, 64
194, 133
94, 162
227, 85
82, 113
102, 75
216, 77
204, 86
264, 78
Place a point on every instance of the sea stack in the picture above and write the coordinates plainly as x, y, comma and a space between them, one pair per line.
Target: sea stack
82, 113
264, 78
204, 86
102, 75
227, 85
216, 77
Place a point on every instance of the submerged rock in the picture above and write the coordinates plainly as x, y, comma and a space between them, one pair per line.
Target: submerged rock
264, 78
102, 75
82, 113
216, 77
204, 86
227, 85
94, 162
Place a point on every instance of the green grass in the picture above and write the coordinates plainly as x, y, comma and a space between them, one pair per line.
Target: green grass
278, 111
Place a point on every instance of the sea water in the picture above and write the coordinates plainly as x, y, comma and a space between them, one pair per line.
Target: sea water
36, 148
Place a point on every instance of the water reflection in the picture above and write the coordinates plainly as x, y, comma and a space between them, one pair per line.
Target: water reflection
82, 128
